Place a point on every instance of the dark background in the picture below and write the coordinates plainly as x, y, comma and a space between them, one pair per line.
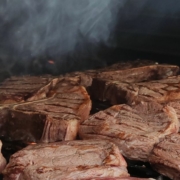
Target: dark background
85, 34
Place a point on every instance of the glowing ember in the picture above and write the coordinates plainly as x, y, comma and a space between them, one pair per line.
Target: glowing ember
32, 143
51, 62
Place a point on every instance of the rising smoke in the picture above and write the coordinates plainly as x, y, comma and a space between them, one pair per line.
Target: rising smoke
32, 29
70, 32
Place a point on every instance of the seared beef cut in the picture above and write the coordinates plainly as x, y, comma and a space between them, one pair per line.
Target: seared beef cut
25, 88
50, 119
29, 88
165, 157
134, 129
138, 72
67, 160
161, 91
2, 159
131, 71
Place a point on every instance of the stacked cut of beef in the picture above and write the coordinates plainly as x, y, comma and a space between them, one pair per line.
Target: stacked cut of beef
54, 113
142, 125
43, 114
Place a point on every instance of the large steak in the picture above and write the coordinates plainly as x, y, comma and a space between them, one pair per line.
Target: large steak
161, 91
134, 129
68, 160
137, 71
50, 119
129, 71
165, 157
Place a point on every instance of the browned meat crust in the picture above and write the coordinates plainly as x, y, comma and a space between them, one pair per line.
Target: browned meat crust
50, 119
165, 157
68, 160
134, 129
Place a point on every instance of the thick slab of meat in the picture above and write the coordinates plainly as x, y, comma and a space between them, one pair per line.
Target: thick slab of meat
48, 120
29, 88
136, 71
25, 88
161, 91
129, 71
68, 160
165, 157
2, 160
134, 129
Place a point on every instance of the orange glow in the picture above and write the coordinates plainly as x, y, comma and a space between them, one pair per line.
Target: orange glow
32, 143
51, 62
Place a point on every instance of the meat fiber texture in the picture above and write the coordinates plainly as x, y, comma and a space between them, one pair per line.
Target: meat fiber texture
2, 159
137, 71
129, 71
68, 160
165, 157
29, 88
56, 117
134, 129
161, 91
176, 105
25, 88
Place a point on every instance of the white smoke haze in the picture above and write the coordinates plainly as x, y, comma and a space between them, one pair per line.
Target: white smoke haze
37, 29
32, 29
55, 26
